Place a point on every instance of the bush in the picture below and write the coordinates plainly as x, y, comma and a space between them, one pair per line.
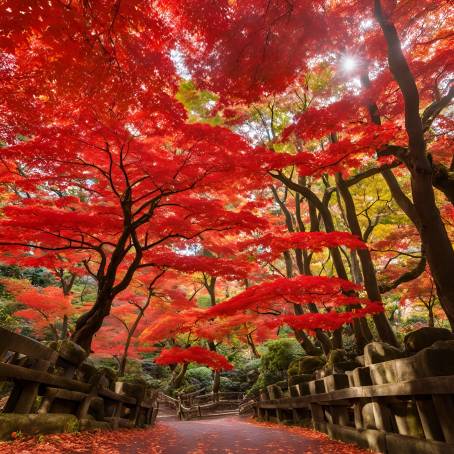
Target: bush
274, 362
280, 353
229, 385
155, 370
201, 375
265, 378
141, 379
253, 364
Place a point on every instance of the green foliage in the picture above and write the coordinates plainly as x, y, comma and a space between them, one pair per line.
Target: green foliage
275, 361
39, 277
228, 384
7, 319
265, 378
204, 301
141, 379
200, 375
252, 364
198, 103
280, 353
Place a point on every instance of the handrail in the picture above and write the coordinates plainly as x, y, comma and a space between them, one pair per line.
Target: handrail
184, 411
69, 386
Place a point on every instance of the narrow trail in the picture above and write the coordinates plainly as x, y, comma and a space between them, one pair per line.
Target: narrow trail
230, 435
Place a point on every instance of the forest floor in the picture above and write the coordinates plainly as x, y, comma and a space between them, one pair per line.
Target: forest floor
230, 435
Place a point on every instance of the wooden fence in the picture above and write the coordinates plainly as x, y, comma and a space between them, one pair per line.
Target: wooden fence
400, 406
47, 382
197, 405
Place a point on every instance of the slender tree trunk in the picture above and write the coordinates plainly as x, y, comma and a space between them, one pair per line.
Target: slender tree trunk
305, 342
134, 326
210, 285
322, 337
216, 382
124, 356
431, 316
369, 275
64, 328
359, 324
216, 373
361, 330
251, 343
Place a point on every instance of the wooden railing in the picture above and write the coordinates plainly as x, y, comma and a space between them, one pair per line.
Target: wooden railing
399, 406
48, 382
204, 405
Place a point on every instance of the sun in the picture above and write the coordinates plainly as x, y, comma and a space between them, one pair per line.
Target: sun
349, 63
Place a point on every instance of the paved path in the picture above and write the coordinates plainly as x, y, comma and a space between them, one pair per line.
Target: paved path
230, 435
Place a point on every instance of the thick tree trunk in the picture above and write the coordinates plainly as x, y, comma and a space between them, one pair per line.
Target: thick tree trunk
436, 243
443, 180
178, 375
89, 323
337, 338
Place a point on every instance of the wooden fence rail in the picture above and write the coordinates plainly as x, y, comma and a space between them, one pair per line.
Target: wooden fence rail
57, 381
399, 406
204, 405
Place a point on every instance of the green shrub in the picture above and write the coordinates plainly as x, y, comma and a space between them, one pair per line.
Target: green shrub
202, 375
253, 364
280, 353
265, 378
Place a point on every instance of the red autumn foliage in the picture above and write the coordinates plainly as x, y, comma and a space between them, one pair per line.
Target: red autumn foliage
44, 307
104, 173
195, 354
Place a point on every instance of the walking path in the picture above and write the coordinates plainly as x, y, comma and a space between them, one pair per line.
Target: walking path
231, 435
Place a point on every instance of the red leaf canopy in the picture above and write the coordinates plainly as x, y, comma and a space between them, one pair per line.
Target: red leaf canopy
176, 355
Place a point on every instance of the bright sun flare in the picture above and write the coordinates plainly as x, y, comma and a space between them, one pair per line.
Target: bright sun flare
349, 63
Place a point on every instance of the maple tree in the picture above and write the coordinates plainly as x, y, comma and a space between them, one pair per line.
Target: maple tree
421, 291
130, 314
45, 308
274, 44
110, 182
264, 175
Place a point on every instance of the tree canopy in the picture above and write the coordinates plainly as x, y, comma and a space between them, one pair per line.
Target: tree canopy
196, 174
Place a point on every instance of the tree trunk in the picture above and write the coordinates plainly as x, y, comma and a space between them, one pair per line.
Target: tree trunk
216, 382
64, 328
370, 279
436, 243
307, 345
437, 246
251, 343
178, 375
89, 323
362, 335
431, 316
124, 357
337, 338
